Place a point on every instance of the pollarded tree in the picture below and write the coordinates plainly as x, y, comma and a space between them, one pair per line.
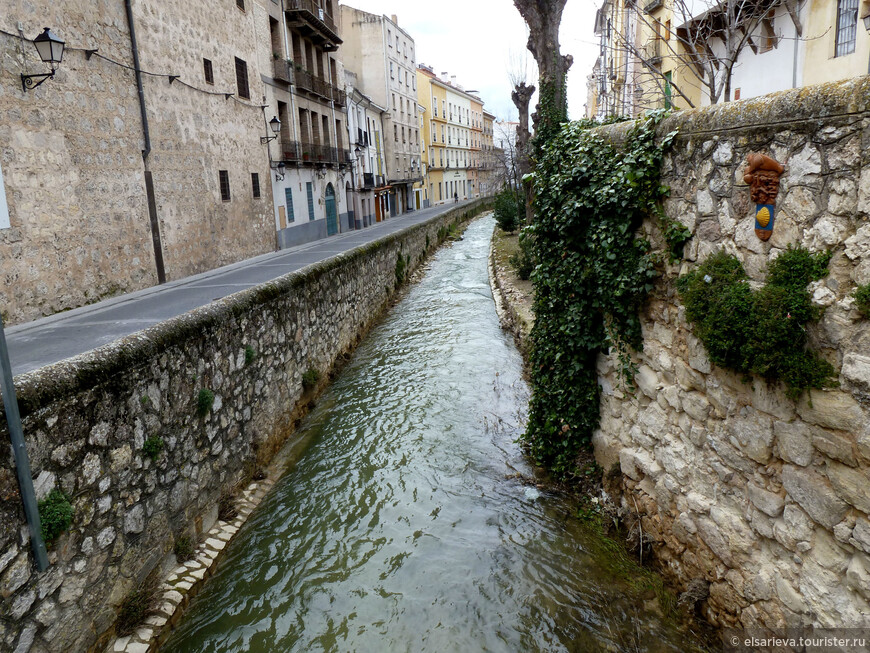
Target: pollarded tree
543, 18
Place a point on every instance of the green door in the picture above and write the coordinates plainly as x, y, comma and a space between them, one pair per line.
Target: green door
331, 213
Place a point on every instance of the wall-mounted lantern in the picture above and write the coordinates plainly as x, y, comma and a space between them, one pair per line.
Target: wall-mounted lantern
280, 169
50, 49
275, 126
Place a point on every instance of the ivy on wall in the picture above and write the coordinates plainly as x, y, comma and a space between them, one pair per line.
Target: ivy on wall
762, 331
593, 275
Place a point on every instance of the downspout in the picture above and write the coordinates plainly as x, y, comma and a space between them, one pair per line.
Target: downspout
149, 182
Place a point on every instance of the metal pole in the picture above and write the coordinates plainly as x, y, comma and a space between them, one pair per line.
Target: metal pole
19, 450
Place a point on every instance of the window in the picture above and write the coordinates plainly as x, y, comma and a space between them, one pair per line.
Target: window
309, 187
847, 23
242, 79
255, 184
392, 74
390, 38
288, 198
224, 178
207, 69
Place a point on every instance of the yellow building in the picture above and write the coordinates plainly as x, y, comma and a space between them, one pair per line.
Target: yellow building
838, 40
448, 136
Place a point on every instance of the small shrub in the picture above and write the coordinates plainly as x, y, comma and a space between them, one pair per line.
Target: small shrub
310, 378
204, 402
153, 447
401, 268
862, 300
506, 209
523, 261
184, 548
137, 605
250, 354
227, 510
55, 515
145, 400
676, 236
761, 331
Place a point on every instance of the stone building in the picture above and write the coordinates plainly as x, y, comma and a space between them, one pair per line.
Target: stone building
105, 194
490, 157
310, 157
383, 55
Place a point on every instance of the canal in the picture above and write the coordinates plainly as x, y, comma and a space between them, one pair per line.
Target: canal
400, 524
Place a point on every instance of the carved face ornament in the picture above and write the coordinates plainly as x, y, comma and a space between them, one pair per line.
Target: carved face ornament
762, 174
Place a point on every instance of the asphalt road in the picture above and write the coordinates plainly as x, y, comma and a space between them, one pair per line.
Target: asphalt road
51, 339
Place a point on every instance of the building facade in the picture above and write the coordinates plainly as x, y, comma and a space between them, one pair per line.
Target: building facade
365, 121
383, 56
106, 194
449, 137
310, 158
489, 178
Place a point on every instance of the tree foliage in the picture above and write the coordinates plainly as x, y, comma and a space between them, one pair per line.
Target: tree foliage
593, 275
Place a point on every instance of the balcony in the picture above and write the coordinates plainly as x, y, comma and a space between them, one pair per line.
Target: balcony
368, 180
652, 51
313, 22
313, 84
282, 71
652, 5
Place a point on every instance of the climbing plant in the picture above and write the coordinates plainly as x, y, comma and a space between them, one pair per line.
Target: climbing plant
593, 274
862, 300
760, 331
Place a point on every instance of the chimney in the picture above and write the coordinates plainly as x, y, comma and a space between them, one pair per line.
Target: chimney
453, 80
444, 75
394, 19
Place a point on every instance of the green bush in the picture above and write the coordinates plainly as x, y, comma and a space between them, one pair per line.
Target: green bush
763, 331
523, 261
153, 447
402, 263
310, 378
204, 402
507, 209
862, 300
250, 354
55, 515
184, 548
676, 236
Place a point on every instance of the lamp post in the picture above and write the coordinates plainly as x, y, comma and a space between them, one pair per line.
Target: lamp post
275, 126
280, 168
50, 49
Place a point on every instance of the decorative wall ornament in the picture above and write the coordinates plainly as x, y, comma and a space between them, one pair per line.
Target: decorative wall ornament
762, 174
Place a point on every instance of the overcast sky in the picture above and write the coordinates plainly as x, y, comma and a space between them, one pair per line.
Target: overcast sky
480, 40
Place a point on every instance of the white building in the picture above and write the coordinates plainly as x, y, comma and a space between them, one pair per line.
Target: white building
383, 56
365, 121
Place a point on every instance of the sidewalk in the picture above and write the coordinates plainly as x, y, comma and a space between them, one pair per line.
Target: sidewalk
51, 339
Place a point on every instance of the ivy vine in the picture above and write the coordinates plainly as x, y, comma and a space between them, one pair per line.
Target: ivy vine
593, 275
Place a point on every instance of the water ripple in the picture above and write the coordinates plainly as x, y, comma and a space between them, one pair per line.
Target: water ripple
398, 530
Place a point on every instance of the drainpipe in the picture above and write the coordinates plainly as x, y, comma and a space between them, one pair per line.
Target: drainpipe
149, 182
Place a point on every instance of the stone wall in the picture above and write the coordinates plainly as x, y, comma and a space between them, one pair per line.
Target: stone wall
71, 150
763, 497
86, 420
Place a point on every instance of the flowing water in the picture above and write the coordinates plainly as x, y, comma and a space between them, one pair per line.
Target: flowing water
401, 527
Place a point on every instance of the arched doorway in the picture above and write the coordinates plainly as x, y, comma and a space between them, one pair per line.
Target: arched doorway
331, 212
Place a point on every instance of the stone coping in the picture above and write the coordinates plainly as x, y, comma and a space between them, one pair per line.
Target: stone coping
39, 387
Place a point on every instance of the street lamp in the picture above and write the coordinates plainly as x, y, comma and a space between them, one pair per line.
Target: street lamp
50, 50
280, 169
275, 126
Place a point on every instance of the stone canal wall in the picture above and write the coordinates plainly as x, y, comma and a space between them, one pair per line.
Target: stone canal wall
220, 387
763, 497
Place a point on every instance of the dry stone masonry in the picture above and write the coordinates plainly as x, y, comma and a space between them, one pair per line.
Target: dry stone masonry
763, 497
86, 421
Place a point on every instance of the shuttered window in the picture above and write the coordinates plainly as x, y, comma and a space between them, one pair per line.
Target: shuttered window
310, 188
242, 79
224, 178
288, 198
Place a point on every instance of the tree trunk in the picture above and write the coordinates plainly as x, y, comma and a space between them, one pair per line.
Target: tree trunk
521, 96
543, 18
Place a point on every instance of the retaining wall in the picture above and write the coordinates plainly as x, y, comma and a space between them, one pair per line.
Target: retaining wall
86, 420
763, 497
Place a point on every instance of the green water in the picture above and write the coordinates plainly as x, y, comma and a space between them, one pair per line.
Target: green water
399, 528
